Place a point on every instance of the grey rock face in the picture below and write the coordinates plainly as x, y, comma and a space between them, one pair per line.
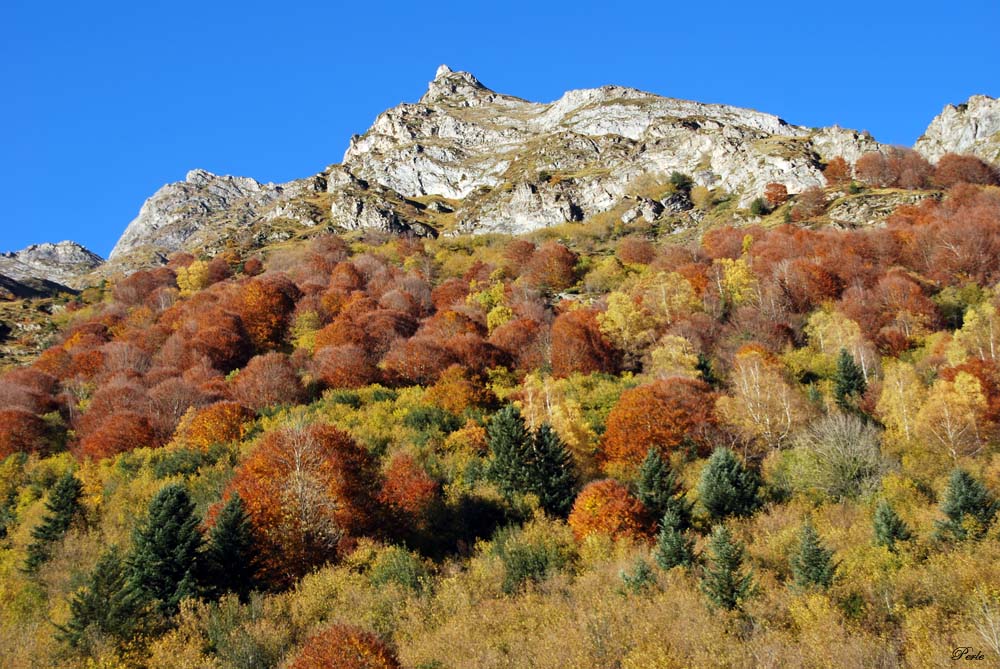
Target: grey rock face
204, 208
972, 127
518, 165
871, 208
466, 159
63, 263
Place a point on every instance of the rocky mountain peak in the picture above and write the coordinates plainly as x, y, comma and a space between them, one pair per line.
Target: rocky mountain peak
457, 88
64, 263
971, 127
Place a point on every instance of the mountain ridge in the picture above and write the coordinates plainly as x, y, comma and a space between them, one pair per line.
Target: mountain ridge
465, 159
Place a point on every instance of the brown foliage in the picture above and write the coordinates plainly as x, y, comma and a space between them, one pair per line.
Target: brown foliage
899, 168
776, 194
265, 305
407, 489
810, 203
21, 432
661, 414
419, 360
342, 646
636, 250
449, 293
524, 340
268, 380
134, 289
118, 433
578, 345
171, 399
306, 489
552, 268
607, 507
837, 172
253, 267
953, 169
344, 366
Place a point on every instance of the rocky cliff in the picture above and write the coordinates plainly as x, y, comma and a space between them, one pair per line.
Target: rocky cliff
466, 159
56, 265
972, 127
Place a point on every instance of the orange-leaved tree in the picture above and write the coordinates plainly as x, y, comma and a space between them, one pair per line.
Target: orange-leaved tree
607, 507
660, 415
306, 490
341, 646
218, 423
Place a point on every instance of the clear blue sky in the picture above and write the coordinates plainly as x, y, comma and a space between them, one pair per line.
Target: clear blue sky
104, 102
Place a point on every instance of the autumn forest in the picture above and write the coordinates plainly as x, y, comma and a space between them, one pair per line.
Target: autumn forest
768, 441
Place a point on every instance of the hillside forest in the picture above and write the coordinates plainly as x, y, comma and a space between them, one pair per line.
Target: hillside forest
762, 441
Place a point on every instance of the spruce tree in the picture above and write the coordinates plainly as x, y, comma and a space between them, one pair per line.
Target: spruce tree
889, 527
967, 506
848, 381
165, 559
812, 565
104, 606
727, 487
659, 490
509, 441
538, 464
724, 582
551, 473
61, 507
230, 556
673, 547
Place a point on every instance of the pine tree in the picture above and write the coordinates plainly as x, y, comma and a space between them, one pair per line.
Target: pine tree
509, 441
62, 507
538, 464
727, 487
230, 556
660, 492
849, 380
673, 547
165, 559
551, 472
813, 564
104, 606
967, 506
889, 527
724, 583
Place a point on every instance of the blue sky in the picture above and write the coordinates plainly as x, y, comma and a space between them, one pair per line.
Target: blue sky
104, 102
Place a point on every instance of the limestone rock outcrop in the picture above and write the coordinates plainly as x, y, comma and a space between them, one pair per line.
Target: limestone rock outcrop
64, 264
972, 127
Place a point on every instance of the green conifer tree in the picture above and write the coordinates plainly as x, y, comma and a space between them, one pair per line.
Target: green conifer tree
230, 556
968, 508
104, 607
889, 527
538, 464
61, 508
848, 381
724, 582
165, 560
673, 547
812, 565
659, 490
550, 472
727, 487
509, 441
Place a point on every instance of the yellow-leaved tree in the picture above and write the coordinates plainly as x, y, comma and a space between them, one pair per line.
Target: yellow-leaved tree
763, 408
979, 336
952, 416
